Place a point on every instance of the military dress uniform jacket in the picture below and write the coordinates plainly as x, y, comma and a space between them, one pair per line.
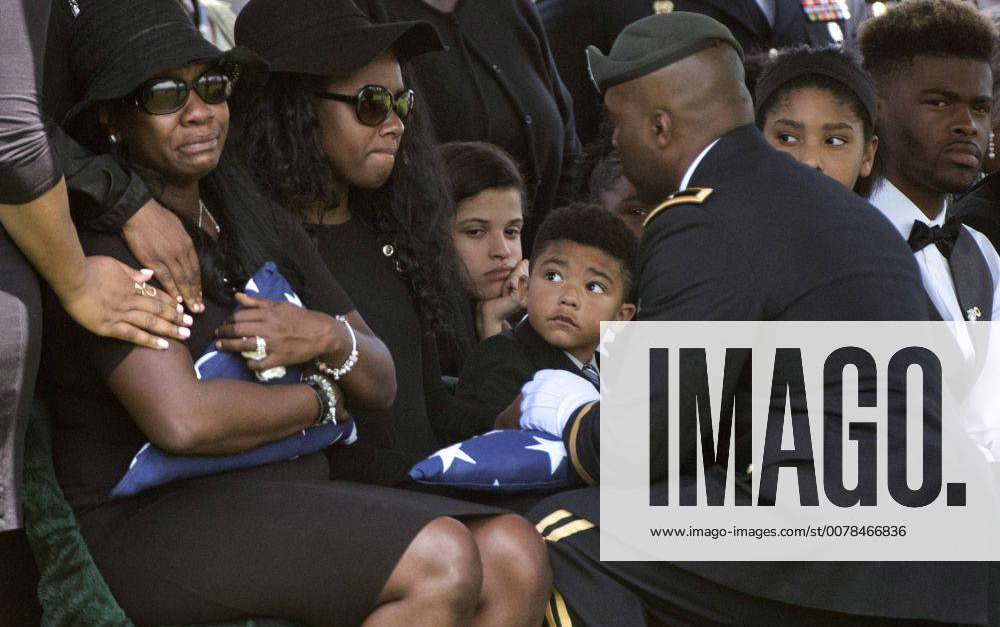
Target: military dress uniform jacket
765, 238
751, 28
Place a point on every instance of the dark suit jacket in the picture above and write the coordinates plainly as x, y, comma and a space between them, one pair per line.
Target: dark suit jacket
750, 26
980, 208
777, 241
493, 375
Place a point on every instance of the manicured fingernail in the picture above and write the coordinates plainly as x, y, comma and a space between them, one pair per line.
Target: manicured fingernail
184, 332
162, 344
180, 309
188, 320
180, 299
147, 272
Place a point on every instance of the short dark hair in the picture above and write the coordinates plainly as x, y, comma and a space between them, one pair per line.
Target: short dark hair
852, 87
940, 28
476, 166
590, 225
604, 175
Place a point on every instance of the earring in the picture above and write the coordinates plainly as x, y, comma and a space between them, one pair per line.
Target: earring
992, 147
113, 138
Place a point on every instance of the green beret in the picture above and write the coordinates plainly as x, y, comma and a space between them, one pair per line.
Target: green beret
655, 42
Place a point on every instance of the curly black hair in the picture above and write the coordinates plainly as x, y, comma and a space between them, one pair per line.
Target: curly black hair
941, 28
280, 136
590, 225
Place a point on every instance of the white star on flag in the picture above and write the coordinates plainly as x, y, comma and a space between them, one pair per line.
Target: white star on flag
451, 453
252, 286
293, 299
198, 364
555, 449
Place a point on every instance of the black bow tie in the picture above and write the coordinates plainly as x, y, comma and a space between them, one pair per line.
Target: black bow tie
941, 236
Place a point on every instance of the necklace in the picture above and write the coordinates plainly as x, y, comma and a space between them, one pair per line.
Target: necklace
202, 210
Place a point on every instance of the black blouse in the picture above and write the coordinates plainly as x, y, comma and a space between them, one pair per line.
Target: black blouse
94, 437
357, 257
496, 82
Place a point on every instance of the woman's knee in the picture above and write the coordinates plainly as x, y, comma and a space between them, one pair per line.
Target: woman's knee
513, 545
446, 564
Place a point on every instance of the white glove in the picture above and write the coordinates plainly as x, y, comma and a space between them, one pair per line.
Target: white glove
551, 397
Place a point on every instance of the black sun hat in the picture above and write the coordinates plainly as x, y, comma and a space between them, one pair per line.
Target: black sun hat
326, 37
117, 45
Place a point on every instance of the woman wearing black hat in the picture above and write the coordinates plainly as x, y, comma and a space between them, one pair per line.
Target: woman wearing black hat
331, 137
279, 540
36, 234
818, 105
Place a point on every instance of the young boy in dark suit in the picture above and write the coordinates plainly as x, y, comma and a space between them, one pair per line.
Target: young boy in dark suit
581, 273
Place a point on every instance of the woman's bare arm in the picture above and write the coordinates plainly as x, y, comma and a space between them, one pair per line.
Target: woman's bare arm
184, 415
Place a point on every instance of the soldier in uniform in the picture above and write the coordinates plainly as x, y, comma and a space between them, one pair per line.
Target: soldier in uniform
744, 233
759, 25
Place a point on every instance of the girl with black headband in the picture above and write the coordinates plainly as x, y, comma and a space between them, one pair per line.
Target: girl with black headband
279, 540
818, 105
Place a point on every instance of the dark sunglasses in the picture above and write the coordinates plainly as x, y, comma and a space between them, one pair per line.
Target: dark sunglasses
373, 103
160, 96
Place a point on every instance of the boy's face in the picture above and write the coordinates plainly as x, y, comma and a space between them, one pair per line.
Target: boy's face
572, 288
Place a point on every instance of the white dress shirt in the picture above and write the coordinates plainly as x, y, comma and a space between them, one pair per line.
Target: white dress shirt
979, 412
579, 364
933, 266
694, 164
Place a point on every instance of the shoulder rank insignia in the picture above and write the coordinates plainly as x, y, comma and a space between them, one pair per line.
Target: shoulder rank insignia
689, 196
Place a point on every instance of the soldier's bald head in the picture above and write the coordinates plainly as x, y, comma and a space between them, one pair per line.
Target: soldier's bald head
663, 119
701, 87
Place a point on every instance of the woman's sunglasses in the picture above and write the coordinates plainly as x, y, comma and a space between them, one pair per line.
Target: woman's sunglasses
160, 96
373, 103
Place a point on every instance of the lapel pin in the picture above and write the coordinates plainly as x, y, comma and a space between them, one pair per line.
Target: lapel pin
972, 314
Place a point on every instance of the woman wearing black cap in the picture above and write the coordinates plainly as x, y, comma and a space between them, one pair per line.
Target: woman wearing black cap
279, 540
331, 137
818, 105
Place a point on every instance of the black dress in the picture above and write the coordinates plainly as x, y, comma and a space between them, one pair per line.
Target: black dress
393, 440
278, 540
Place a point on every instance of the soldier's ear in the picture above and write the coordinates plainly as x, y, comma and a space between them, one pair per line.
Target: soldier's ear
662, 128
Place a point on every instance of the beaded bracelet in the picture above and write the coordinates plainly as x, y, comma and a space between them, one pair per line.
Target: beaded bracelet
328, 399
352, 359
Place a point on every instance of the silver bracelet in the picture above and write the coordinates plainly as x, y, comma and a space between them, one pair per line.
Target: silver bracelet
324, 391
352, 359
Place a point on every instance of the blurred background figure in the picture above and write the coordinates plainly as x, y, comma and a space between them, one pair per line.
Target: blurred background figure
570, 23
215, 20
